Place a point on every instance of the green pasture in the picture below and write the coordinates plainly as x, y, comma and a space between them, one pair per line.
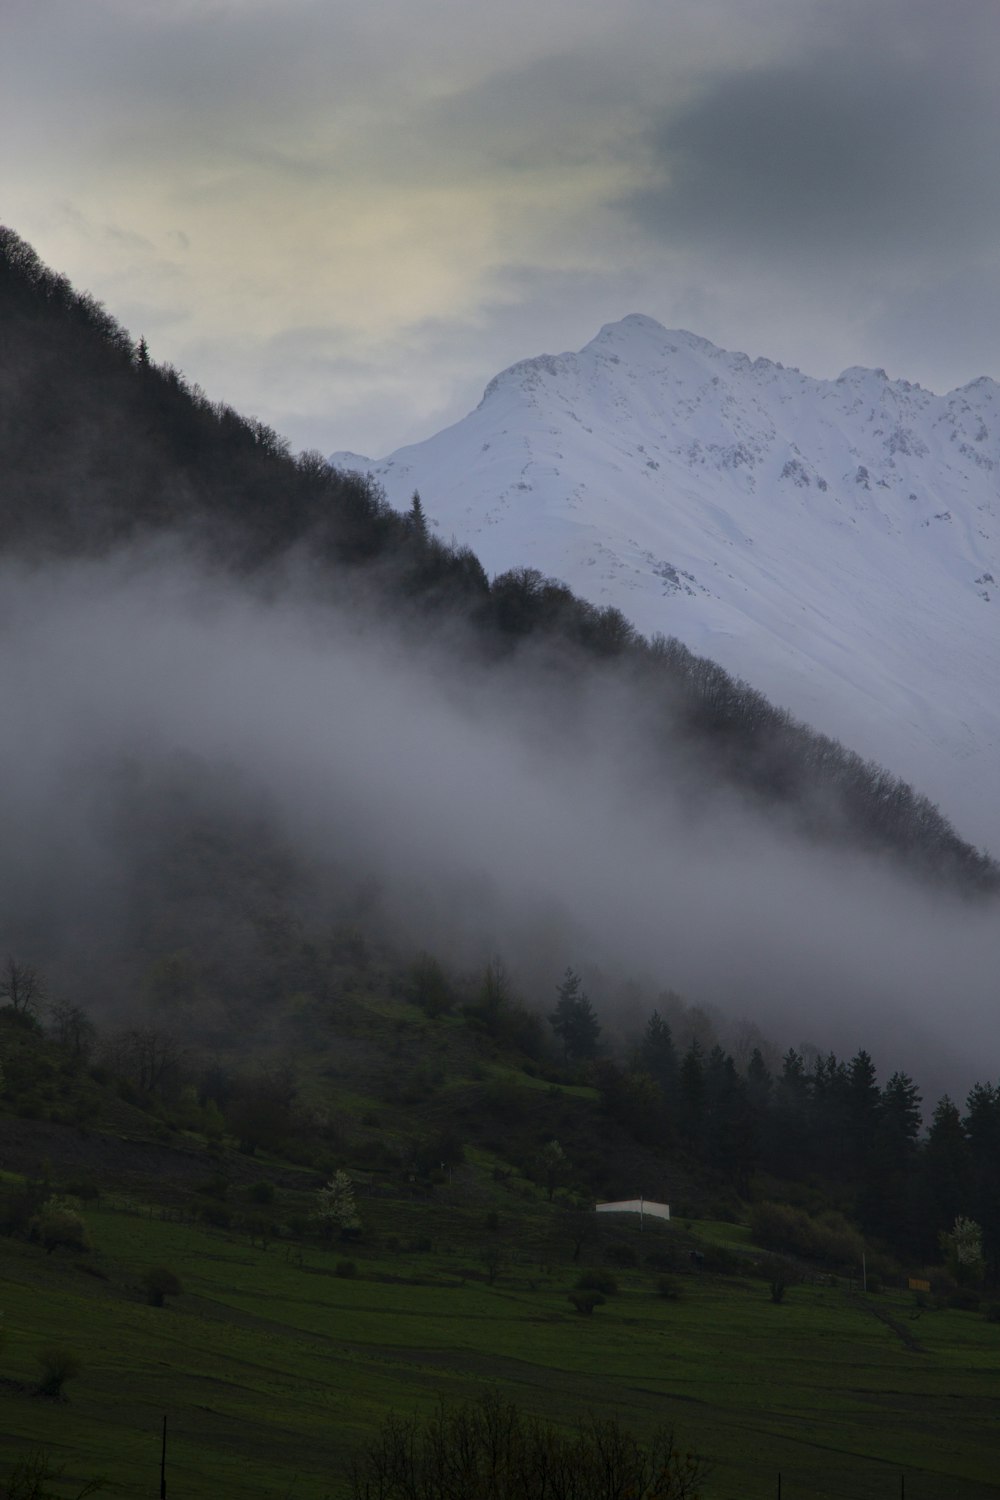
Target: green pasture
271, 1372
716, 1232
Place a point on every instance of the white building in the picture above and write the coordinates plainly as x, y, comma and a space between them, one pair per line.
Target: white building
640, 1206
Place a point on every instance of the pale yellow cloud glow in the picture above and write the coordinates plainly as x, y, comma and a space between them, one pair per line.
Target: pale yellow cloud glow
346, 218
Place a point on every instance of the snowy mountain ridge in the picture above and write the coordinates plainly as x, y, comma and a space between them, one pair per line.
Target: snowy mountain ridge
834, 542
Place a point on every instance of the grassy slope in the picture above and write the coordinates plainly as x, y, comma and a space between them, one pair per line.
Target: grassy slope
271, 1373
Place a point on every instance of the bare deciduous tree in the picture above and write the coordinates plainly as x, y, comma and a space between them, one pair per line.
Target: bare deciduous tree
22, 987
148, 1057
490, 1450
72, 1028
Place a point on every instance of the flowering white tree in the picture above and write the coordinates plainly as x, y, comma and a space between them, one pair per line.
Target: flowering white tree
963, 1247
335, 1204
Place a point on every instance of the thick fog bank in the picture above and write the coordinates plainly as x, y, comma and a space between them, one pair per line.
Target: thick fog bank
490, 814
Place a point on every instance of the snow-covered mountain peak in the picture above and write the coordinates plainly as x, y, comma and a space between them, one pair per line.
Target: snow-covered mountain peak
863, 375
642, 344
525, 377
636, 333
835, 542
641, 348
637, 324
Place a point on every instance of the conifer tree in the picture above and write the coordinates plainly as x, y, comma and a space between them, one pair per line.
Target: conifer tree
863, 1100
657, 1054
573, 1019
759, 1080
691, 1093
982, 1125
417, 519
945, 1171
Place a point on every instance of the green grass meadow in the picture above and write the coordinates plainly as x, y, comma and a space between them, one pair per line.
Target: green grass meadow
271, 1373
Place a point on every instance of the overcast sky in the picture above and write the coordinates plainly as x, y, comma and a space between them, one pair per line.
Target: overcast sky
345, 217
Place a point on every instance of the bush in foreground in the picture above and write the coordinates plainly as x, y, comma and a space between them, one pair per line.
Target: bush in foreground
158, 1283
31, 1476
597, 1281
585, 1302
58, 1365
790, 1231
490, 1450
780, 1274
58, 1226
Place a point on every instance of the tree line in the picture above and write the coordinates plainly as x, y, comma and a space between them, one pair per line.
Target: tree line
823, 1131
828, 1120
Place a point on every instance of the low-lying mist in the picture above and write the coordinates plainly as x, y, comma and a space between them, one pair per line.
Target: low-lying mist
484, 808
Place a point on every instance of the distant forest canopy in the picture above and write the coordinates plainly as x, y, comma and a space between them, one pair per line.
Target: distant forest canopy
820, 1119
101, 447
821, 1149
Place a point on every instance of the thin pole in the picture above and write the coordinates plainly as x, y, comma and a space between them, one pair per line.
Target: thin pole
864, 1273
163, 1462
779, 1484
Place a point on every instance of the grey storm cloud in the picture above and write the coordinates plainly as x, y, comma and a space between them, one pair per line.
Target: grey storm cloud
869, 152
956, 314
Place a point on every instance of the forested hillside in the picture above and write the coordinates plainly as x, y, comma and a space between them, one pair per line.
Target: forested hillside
100, 447
214, 916
364, 920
